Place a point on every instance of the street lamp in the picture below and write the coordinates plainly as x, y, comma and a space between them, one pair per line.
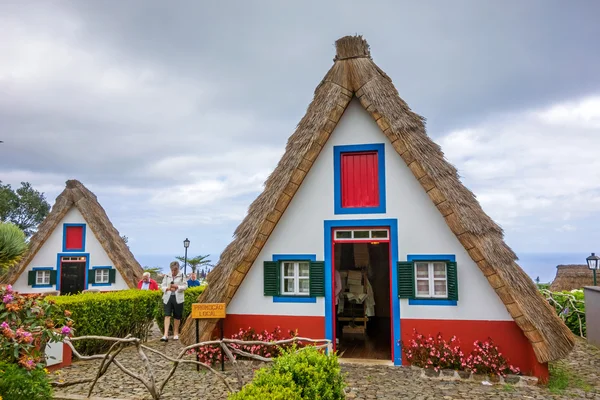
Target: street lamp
186, 244
593, 263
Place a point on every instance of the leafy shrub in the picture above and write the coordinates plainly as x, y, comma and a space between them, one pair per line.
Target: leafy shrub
12, 244
570, 307
211, 354
17, 383
306, 374
190, 297
27, 327
115, 314
269, 385
435, 353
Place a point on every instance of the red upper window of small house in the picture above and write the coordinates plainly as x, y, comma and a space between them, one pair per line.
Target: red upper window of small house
359, 183
74, 238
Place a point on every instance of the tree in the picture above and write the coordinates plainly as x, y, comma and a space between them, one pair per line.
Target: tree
24, 207
196, 262
154, 271
12, 245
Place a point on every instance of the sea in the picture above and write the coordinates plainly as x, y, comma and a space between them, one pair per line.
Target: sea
542, 265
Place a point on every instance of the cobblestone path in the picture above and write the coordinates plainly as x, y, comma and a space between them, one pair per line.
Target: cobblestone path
363, 382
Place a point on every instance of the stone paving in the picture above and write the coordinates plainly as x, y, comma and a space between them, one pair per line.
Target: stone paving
363, 381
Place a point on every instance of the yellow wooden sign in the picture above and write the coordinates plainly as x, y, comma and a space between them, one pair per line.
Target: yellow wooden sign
208, 310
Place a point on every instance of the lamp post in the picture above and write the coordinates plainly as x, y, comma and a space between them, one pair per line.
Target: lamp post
593, 263
186, 244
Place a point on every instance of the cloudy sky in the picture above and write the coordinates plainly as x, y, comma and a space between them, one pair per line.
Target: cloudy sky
174, 113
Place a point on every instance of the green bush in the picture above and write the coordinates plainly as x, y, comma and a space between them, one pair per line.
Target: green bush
570, 307
307, 374
116, 314
17, 383
191, 296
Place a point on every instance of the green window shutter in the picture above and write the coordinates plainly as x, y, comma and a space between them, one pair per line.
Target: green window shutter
271, 277
317, 278
31, 278
452, 281
53, 277
406, 280
112, 275
91, 276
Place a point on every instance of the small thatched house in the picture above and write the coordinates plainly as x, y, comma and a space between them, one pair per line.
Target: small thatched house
569, 277
75, 248
364, 232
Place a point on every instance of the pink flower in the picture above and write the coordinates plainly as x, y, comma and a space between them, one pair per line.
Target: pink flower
65, 330
7, 298
9, 288
4, 325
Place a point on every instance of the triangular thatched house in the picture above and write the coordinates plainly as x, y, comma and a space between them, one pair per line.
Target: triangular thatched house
569, 277
75, 248
364, 232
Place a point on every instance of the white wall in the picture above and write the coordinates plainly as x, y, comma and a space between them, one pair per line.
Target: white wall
421, 230
47, 256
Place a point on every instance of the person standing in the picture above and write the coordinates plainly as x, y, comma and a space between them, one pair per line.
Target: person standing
193, 281
173, 286
147, 283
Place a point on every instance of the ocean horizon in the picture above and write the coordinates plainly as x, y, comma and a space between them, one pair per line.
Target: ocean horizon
542, 265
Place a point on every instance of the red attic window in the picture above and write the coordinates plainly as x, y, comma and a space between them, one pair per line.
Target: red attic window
359, 179
74, 237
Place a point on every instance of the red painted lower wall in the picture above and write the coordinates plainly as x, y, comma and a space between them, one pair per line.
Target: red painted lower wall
66, 361
309, 327
506, 335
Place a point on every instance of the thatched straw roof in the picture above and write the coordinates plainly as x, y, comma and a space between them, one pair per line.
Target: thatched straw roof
354, 74
77, 195
569, 277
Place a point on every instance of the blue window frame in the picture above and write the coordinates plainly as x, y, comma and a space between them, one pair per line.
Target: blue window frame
431, 257
337, 178
36, 269
101, 268
64, 242
294, 257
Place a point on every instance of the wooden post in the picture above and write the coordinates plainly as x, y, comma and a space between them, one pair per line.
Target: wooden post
197, 341
222, 355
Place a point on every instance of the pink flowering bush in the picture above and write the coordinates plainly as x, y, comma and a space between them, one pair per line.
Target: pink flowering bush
436, 353
211, 354
28, 324
487, 359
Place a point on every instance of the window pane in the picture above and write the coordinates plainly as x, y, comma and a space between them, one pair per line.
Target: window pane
288, 285
422, 270
361, 234
439, 270
343, 235
288, 269
303, 268
379, 234
304, 286
440, 287
422, 288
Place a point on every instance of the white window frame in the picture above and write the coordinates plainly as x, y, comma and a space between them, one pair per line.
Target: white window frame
42, 277
368, 238
296, 277
104, 274
431, 279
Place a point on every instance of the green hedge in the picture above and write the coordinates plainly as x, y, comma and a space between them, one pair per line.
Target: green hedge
17, 383
191, 296
306, 375
115, 314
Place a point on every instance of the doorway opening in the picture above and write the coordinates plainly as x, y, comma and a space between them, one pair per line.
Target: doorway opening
362, 317
72, 274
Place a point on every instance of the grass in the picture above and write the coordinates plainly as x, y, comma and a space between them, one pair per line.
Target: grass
562, 379
508, 387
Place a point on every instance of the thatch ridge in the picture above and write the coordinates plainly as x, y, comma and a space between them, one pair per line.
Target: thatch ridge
354, 74
77, 195
572, 276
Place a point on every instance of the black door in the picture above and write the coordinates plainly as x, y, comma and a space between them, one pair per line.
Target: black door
72, 277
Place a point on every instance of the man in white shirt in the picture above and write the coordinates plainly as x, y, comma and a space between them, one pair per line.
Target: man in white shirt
173, 285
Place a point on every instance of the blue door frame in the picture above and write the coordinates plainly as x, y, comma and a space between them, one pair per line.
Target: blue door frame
392, 224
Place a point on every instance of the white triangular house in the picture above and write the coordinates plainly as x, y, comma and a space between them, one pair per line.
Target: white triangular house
363, 193
75, 248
